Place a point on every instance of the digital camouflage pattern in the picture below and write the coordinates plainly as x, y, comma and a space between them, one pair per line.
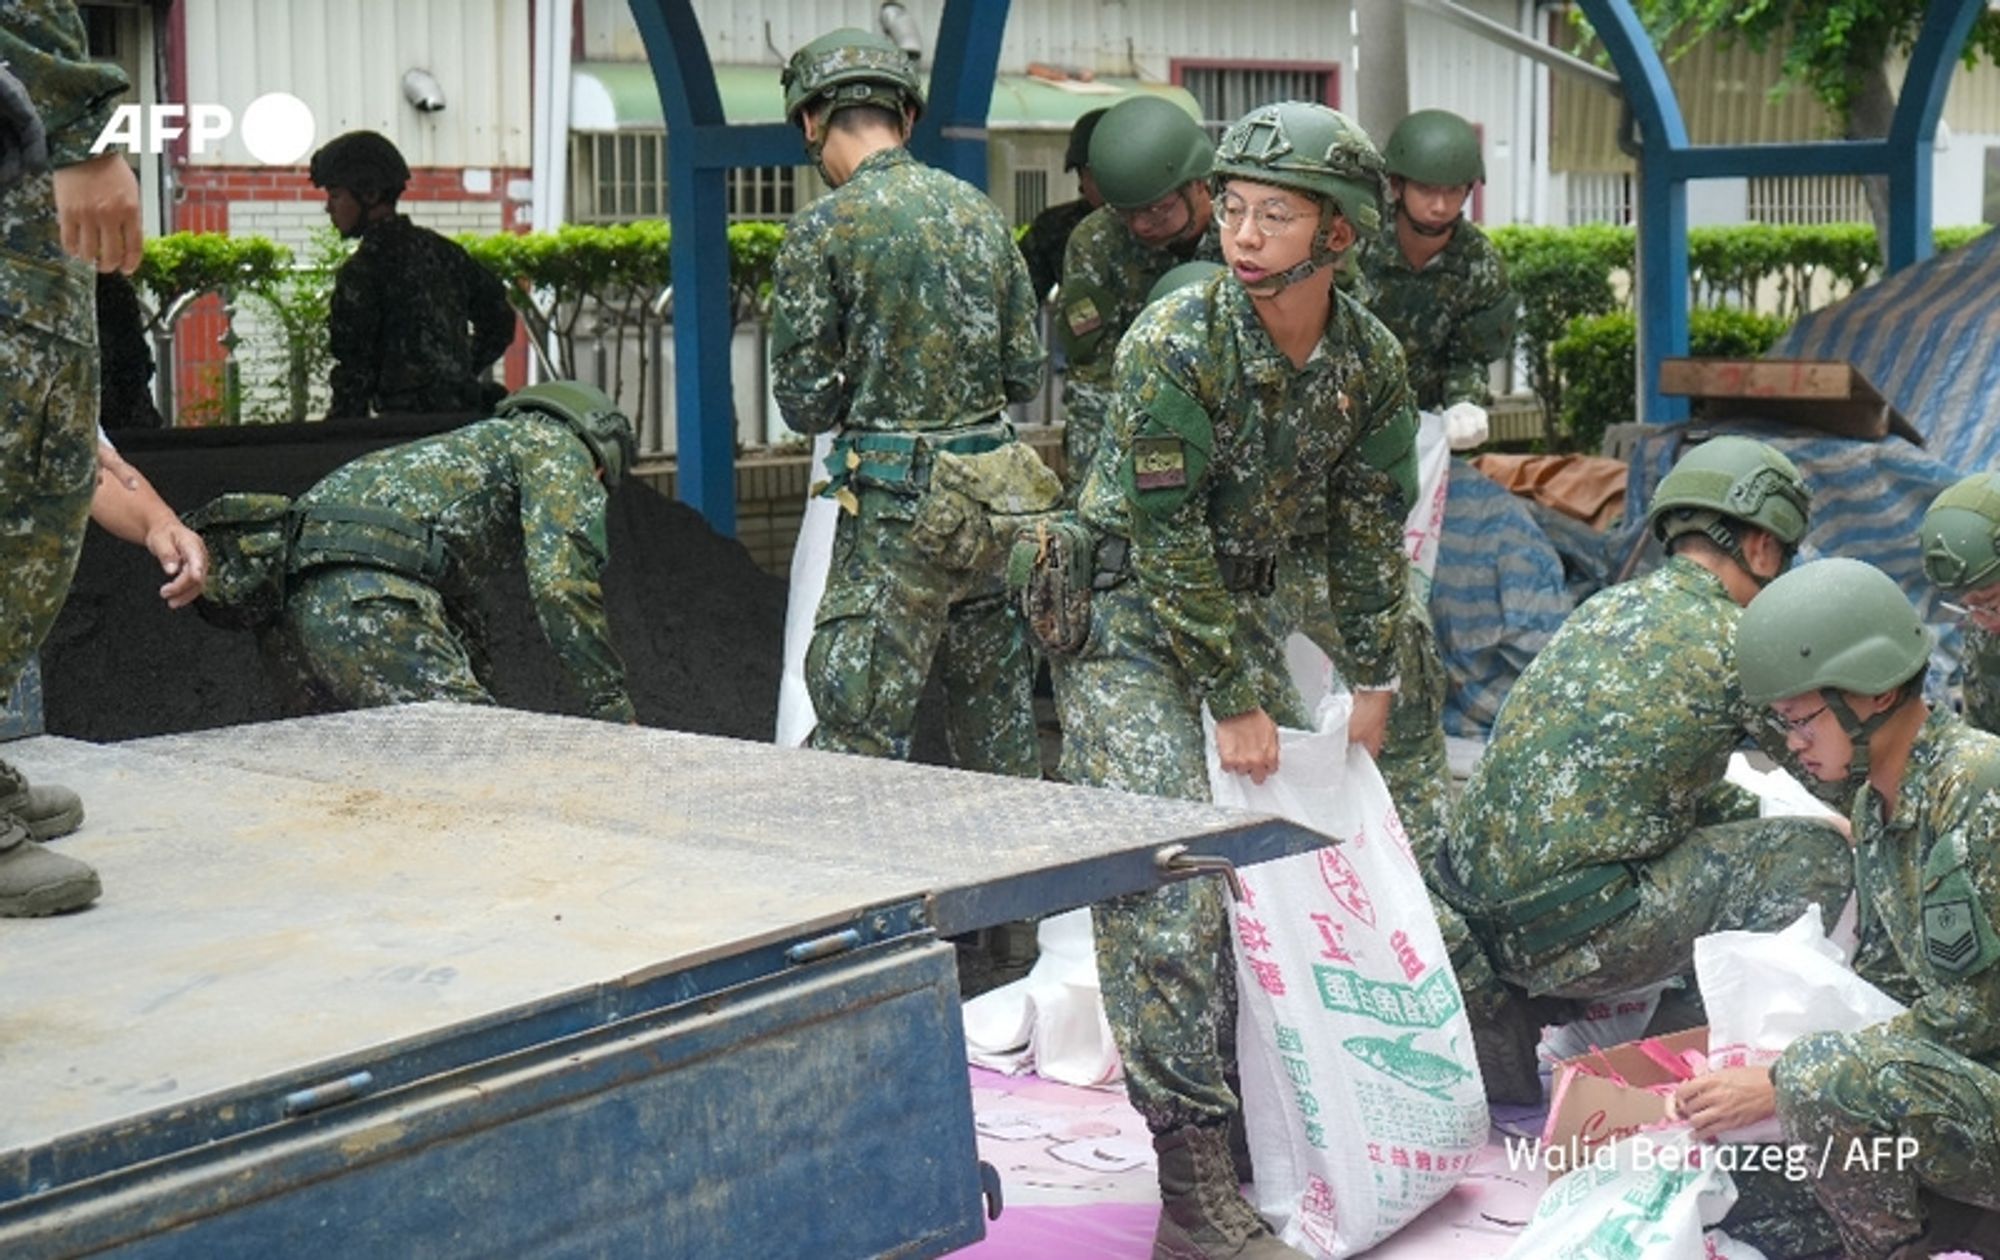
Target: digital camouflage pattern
1929, 885
48, 356
1170, 636
496, 494
901, 306
1043, 244
1611, 749
1454, 318
1107, 275
1982, 678
414, 323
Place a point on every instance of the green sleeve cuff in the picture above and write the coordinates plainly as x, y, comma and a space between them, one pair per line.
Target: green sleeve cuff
1235, 693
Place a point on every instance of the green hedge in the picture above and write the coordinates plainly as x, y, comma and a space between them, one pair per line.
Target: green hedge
1597, 358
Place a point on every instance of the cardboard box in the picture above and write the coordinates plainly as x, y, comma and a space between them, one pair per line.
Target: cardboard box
1588, 1108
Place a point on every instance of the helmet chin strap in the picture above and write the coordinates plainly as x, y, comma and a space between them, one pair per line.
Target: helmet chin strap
1321, 256
1859, 731
1425, 229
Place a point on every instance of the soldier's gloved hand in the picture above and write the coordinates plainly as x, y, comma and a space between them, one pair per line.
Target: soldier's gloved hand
1465, 425
24, 147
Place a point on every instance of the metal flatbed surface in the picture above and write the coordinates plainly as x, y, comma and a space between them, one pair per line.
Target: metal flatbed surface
324, 891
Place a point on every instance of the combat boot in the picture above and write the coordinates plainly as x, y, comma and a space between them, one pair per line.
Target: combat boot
35, 881
1203, 1215
49, 811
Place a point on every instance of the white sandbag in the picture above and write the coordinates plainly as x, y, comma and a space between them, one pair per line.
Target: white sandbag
1647, 1197
1051, 1021
1361, 1095
811, 558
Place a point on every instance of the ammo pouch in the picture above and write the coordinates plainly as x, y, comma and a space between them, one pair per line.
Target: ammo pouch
336, 534
1052, 568
1526, 931
969, 499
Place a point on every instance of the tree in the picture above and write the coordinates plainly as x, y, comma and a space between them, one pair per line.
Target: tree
1839, 50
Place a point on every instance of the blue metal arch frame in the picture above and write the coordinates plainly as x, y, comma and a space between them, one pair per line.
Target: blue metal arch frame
1668, 161
704, 146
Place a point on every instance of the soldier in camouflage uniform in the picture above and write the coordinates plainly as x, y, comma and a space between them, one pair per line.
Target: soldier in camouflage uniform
415, 323
1043, 244
1961, 543
1839, 655
363, 591
61, 213
903, 322
1596, 838
1151, 163
1240, 400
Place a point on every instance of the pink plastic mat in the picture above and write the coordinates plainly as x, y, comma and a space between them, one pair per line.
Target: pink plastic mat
1076, 1169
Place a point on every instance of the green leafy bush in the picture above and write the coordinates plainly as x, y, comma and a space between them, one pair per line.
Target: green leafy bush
1597, 358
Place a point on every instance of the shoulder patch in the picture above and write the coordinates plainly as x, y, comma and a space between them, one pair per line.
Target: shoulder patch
1958, 936
1169, 452
1081, 326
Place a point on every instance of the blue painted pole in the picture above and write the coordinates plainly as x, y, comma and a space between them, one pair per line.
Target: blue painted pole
952, 133
1914, 129
704, 403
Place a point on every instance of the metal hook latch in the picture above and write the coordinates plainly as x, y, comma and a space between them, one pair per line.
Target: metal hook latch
1175, 862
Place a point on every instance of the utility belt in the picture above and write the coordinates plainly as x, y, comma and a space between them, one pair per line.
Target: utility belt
1058, 565
329, 534
901, 461
1526, 931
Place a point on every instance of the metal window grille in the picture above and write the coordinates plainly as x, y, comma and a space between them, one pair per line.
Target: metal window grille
1807, 199
1226, 93
1598, 197
622, 177
1031, 194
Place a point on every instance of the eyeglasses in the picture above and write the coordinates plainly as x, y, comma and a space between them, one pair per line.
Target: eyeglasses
1800, 726
1271, 217
1156, 215
1984, 613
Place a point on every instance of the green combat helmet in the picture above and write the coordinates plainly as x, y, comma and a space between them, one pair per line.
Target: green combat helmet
848, 67
1961, 535
1727, 480
588, 412
248, 537
1436, 147
1832, 626
1200, 271
1315, 150
1145, 148
363, 162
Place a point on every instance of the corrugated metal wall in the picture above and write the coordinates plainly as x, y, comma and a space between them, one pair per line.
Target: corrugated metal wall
1451, 68
346, 59
1129, 37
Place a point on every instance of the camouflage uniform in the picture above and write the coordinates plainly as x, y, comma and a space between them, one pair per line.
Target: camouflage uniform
1171, 636
504, 491
1046, 240
1601, 798
1929, 884
904, 322
1107, 275
415, 321
48, 440
1982, 678
1454, 317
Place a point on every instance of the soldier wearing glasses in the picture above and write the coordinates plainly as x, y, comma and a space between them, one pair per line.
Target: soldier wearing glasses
1240, 401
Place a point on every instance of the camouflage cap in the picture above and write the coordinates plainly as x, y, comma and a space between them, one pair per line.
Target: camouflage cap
849, 67
1311, 148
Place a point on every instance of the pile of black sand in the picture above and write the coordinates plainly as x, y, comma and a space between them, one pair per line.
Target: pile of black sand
699, 625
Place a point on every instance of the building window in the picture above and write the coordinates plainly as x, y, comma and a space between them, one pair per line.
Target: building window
622, 177
1031, 194
1227, 90
1598, 197
1799, 199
